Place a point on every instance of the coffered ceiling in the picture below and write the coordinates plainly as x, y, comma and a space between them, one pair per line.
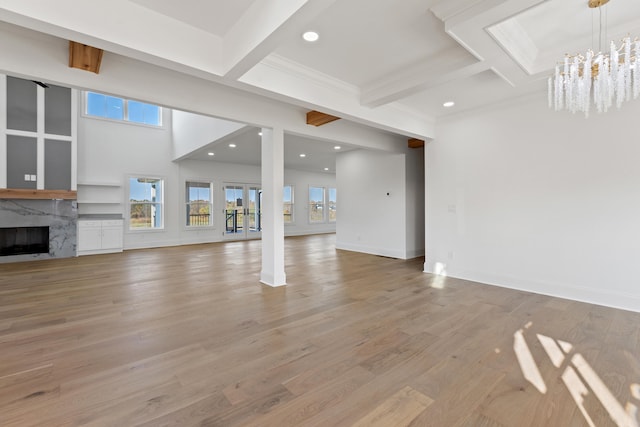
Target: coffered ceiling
384, 63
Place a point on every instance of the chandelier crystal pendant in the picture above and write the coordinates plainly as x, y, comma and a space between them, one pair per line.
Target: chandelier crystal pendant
597, 78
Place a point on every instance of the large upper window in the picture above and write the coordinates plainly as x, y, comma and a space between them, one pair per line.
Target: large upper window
199, 203
287, 200
145, 203
114, 108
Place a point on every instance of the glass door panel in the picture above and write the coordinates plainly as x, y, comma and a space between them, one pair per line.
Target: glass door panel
242, 211
255, 210
234, 210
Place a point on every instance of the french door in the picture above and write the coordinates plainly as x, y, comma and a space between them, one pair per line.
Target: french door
243, 211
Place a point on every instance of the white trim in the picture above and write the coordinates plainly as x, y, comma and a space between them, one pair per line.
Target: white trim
127, 214
3, 131
293, 205
212, 219
125, 112
287, 66
101, 184
246, 235
324, 205
606, 297
25, 133
74, 139
40, 137
373, 250
329, 220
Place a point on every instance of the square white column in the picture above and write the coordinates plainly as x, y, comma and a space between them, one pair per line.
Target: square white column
272, 273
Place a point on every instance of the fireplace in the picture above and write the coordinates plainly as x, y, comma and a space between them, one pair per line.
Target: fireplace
37, 229
24, 240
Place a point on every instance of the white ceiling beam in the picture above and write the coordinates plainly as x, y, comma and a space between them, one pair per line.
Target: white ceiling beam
140, 33
421, 77
469, 27
283, 79
261, 29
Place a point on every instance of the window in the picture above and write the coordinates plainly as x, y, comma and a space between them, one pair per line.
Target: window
199, 203
288, 204
332, 203
316, 204
145, 203
114, 108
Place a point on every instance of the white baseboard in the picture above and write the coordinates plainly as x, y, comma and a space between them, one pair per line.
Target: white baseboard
604, 296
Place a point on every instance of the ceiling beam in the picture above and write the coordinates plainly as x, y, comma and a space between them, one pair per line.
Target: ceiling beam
316, 118
415, 143
429, 74
262, 28
84, 57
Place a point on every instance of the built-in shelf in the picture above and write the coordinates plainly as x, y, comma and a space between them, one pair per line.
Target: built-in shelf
100, 197
98, 202
100, 184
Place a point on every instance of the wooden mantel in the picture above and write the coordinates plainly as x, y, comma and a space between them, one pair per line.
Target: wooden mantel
17, 193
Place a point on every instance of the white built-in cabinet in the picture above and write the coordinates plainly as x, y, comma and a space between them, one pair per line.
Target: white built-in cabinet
98, 236
100, 223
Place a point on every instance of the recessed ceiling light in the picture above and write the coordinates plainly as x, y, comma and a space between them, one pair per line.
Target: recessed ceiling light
326, 169
448, 104
311, 36
232, 145
337, 147
303, 155
211, 154
260, 133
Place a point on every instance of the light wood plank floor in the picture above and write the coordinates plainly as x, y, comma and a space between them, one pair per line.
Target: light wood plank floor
186, 336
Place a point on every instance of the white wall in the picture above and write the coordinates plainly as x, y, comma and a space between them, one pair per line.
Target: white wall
523, 197
108, 152
302, 181
193, 131
372, 203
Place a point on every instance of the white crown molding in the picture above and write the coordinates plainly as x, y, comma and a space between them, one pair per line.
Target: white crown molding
447, 9
287, 66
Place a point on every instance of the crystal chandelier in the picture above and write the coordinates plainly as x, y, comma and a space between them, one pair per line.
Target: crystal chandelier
597, 78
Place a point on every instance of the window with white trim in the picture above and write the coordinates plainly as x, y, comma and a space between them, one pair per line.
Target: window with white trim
316, 204
146, 203
128, 110
199, 202
332, 198
288, 200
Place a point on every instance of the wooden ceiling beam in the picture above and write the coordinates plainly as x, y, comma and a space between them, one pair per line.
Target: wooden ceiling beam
84, 57
415, 143
316, 118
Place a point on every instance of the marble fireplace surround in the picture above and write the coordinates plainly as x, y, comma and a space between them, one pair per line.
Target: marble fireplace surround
59, 215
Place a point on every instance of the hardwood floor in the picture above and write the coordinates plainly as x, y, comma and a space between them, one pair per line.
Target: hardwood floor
187, 336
